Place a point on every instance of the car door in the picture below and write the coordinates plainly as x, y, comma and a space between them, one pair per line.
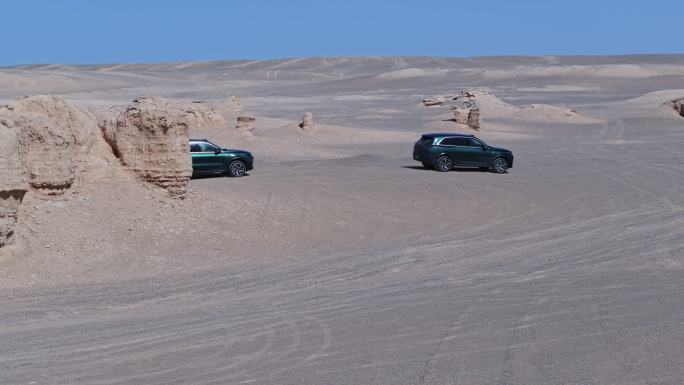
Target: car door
206, 159
197, 157
459, 149
479, 154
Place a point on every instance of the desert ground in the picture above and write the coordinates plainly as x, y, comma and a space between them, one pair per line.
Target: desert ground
339, 259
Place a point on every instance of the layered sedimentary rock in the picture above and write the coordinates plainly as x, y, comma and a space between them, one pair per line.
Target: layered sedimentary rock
307, 124
150, 137
13, 184
54, 139
677, 105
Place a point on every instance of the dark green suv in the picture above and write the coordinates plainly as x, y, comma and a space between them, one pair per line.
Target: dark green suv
442, 151
207, 157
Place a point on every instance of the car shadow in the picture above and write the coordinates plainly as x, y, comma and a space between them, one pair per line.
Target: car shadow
457, 169
212, 175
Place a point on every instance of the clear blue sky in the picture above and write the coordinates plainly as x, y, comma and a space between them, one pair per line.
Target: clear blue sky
114, 31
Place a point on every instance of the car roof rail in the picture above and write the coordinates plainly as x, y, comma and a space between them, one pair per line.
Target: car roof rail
445, 134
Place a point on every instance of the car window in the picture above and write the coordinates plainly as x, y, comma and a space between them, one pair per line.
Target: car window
476, 143
455, 142
426, 139
195, 147
206, 147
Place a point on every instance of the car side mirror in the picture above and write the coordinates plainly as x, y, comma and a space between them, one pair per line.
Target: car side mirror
485, 148
217, 152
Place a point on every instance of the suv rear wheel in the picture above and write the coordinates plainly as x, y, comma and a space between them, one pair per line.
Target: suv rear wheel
443, 164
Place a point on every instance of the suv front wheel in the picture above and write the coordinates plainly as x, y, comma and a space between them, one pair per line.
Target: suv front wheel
443, 164
237, 168
500, 165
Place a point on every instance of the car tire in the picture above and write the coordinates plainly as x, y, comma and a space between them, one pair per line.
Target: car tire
237, 168
444, 164
500, 165
427, 165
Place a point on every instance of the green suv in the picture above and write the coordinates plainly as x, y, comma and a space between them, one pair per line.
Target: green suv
207, 157
442, 151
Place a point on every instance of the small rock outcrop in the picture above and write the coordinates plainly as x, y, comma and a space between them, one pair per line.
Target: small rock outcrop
677, 105
438, 100
474, 118
434, 101
13, 184
246, 122
54, 139
467, 107
150, 137
307, 124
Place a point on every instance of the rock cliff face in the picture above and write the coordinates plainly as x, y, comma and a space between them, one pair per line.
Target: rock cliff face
150, 137
13, 184
54, 139
44, 144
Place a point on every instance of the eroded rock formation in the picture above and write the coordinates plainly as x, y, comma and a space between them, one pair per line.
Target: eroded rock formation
474, 118
54, 138
202, 114
677, 105
434, 101
13, 184
307, 124
150, 137
246, 122
467, 107
460, 114
470, 105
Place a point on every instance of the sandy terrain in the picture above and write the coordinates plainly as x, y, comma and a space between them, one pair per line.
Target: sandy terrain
338, 260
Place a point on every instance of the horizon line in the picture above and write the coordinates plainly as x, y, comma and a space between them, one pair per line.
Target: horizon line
19, 66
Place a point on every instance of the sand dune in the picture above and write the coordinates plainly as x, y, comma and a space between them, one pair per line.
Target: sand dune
584, 71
